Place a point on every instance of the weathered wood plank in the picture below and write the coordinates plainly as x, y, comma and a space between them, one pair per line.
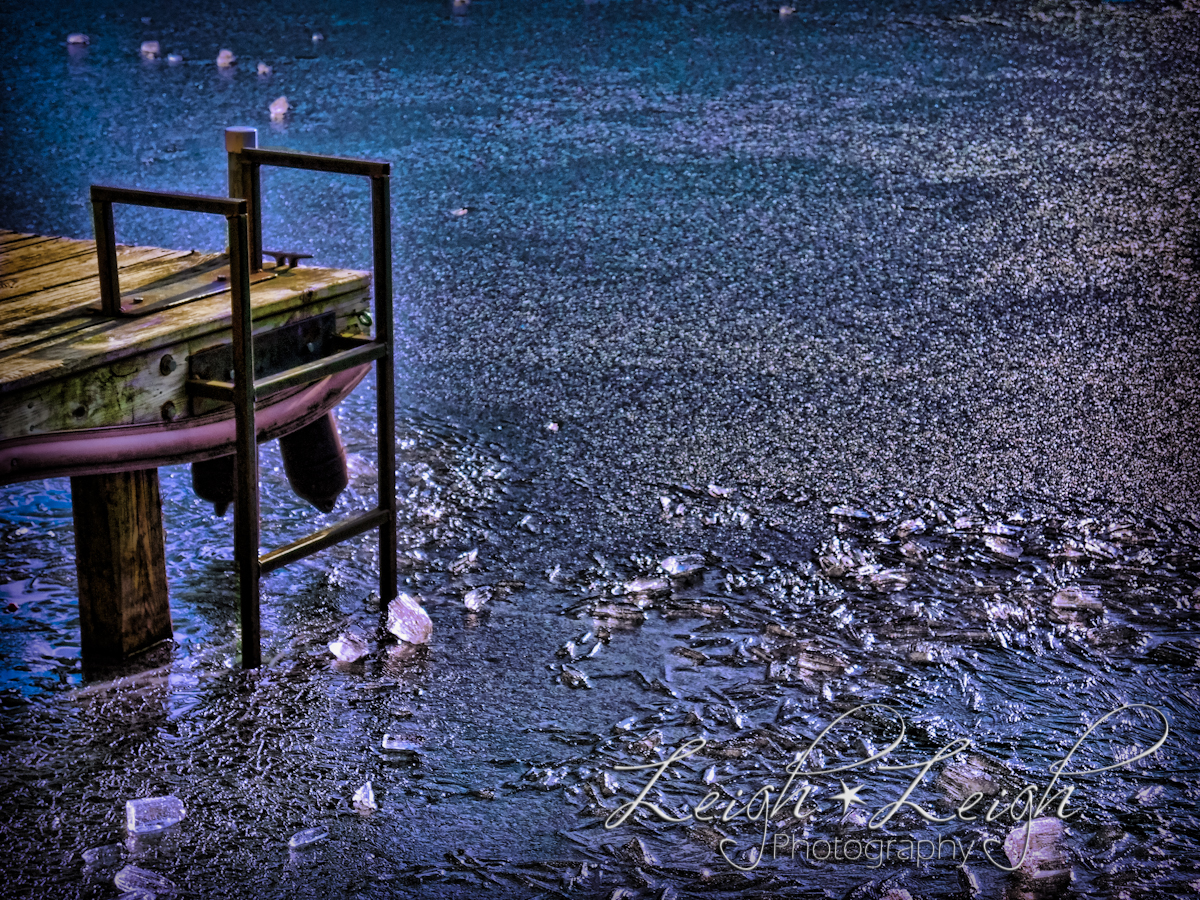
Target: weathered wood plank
120, 563
45, 281
40, 318
17, 259
109, 339
18, 241
13, 238
141, 389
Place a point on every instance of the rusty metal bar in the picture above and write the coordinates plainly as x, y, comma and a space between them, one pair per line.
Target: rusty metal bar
106, 257
305, 374
319, 540
246, 505
201, 203
385, 379
103, 198
243, 184
337, 165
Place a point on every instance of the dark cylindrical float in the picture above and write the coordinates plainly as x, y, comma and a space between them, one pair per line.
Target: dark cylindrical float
212, 480
315, 462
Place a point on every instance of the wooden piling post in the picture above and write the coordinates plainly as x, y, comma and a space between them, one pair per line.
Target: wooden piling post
120, 562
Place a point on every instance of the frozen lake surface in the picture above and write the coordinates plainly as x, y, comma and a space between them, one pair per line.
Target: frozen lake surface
887, 313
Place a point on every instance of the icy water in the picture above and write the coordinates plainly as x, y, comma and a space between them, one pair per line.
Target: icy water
883, 314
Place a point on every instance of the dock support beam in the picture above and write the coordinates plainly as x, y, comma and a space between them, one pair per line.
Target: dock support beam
121, 565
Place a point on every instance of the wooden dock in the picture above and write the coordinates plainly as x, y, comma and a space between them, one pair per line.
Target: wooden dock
66, 368
106, 399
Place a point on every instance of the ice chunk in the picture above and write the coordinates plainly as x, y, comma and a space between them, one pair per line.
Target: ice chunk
149, 814
364, 797
308, 837
279, 108
888, 580
408, 621
131, 878
678, 566
174, 59
348, 647
465, 562
78, 39
476, 599
263, 69
110, 855
572, 677
151, 49
226, 58
1040, 855
399, 744
715, 490
1003, 547
647, 585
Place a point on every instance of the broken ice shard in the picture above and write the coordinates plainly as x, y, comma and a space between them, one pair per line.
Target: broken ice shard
679, 566
364, 797
394, 744
474, 600
131, 878
408, 621
308, 837
148, 814
348, 647
1040, 854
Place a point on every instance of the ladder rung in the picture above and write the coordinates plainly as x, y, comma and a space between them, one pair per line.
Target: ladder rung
305, 374
319, 540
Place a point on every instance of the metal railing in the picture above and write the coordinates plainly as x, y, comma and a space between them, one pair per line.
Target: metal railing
243, 214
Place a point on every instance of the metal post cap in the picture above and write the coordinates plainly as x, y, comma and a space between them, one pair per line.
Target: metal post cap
239, 137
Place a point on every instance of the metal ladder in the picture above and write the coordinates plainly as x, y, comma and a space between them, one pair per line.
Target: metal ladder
243, 215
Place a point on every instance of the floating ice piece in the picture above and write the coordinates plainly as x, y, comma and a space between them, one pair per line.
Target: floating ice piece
678, 566
395, 744
786, 11
851, 512
1074, 597
618, 612
999, 528
226, 58
78, 39
461, 211
572, 677
151, 49
348, 647
1043, 857
910, 526
647, 585
973, 775
552, 426
103, 857
890, 580
476, 599
148, 814
1003, 547
263, 69
308, 837
408, 621
364, 797
716, 490
174, 59
131, 878
317, 37
279, 108
465, 562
